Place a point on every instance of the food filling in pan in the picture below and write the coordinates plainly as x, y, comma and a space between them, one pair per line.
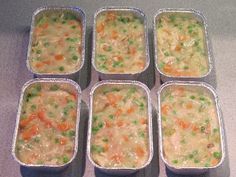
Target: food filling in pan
181, 45
46, 133
56, 43
120, 127
190, 127
120, 42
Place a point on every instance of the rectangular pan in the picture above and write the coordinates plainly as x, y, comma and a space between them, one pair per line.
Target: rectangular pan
123, 76
66, 83
201, 18
36, 16
118, 170
211, 91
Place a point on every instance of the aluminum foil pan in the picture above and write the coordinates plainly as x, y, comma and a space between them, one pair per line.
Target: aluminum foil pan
117, 170
71, 85
122, 76
210, 89
201, 18
36, 15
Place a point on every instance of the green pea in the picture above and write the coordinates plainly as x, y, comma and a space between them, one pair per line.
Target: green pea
95, 130
38, 51
65, 159
95, 118
56, 140
217, 155
37, 139
141, 134
74, 57
161, 64
117, 64
111, 116
186, 67
61, 68
172, 18
190, 156
175, 161
54, 87
33, 107
97, 149
166, 54
105, 139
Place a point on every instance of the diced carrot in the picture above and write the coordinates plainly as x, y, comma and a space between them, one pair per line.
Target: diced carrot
66, 34
165, 109
106, 147
59, 26
182, 37
130, 110
195, 128
117, 158
167, 31
143, 121
126, 138
140, 64
139, 151
47, 62
117, 58
37, 30
79, 49
64, 126
26, 121
71, 22
63, 141
34, 156
29, 160
214, 161
59, 57
29, 133
177, 48
208, 129
108, 124
74, 95
180, 91
39, 64
100, 27
111, 16
183, 124
132, 50
120, 123
118, 112
42, 117
44, 26
73, 113
167, 68
61, 42
189, 105
112, 99
114, 34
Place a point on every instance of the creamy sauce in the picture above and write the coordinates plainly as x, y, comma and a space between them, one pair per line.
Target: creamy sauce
181, 45
120, 43
120, 127
47, 124
56, 44
190, 128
